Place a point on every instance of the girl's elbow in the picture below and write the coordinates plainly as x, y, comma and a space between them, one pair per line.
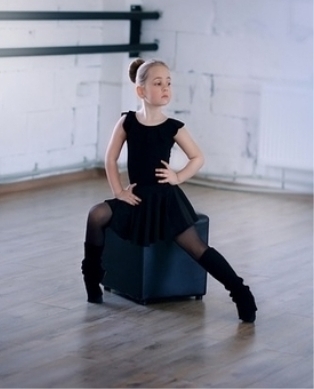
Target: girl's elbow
201, 160
110, 159
110, 164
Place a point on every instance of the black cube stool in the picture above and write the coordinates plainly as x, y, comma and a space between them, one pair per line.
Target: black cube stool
159, 271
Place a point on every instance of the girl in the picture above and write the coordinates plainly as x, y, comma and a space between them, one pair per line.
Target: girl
153, 207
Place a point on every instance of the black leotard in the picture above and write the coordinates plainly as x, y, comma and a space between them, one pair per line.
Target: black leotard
164, 211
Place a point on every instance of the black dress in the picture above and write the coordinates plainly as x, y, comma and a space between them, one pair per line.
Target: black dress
164, 211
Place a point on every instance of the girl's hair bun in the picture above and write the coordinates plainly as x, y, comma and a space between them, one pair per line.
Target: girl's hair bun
134, 65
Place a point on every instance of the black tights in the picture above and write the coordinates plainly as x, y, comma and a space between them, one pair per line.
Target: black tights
98, 218
100, 215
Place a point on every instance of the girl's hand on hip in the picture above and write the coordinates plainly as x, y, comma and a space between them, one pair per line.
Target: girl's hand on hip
166, 175
127, 195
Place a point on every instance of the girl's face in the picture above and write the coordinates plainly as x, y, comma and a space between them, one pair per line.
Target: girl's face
157, 88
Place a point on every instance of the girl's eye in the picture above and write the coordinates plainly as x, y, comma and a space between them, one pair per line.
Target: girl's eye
159, 83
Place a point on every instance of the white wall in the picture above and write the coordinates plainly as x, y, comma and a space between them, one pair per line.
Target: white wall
50, 107
57, 113
223, 55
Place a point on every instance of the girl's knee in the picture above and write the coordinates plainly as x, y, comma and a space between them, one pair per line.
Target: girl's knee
95, 209
99, 214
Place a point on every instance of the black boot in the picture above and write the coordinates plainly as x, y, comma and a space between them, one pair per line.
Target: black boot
93, 273
219, 268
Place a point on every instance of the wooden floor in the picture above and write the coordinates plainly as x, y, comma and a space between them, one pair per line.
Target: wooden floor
51, 338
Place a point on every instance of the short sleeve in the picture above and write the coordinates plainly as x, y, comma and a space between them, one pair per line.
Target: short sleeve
128, 120
175, 125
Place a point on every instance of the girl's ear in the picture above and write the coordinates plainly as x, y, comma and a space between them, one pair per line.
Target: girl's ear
140, 91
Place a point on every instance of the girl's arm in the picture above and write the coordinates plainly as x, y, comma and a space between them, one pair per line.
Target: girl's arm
111, 165
193, 153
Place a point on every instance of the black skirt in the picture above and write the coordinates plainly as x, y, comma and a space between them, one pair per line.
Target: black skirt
163, 213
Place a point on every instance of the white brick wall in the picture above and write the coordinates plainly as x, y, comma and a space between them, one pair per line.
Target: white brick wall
58, 112
222, 53
50, 112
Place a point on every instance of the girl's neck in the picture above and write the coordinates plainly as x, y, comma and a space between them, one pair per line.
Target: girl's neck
150, 115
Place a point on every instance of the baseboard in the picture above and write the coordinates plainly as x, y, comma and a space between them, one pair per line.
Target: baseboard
42, 182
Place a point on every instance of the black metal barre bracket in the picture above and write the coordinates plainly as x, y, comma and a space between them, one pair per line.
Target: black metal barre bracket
133, 48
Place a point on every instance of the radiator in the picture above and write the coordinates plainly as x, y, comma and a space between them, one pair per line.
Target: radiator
286, 127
